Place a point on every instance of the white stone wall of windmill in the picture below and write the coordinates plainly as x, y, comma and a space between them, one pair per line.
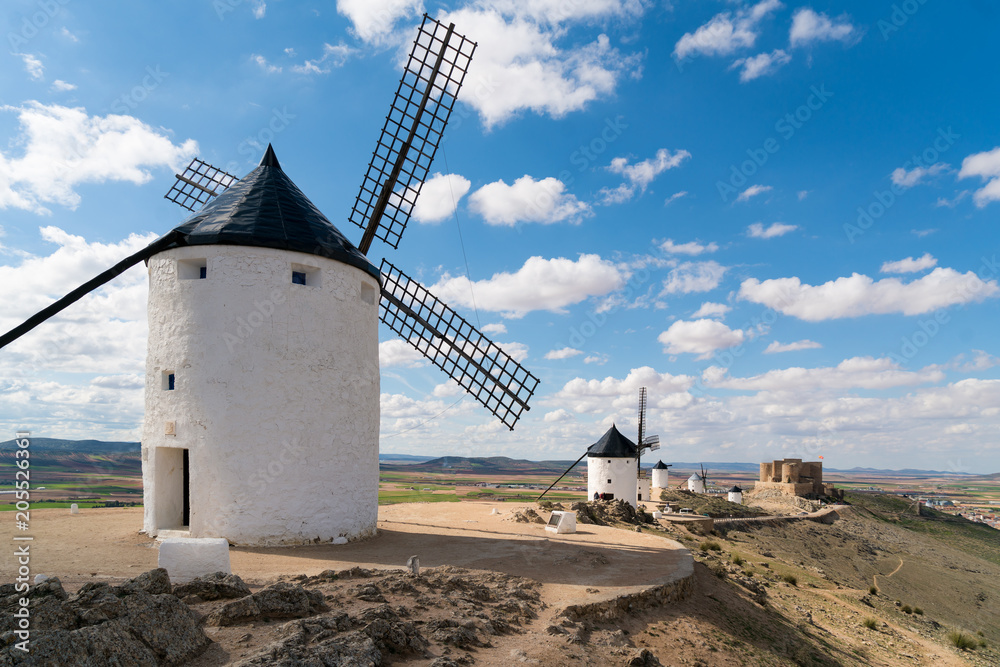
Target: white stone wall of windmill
273, 400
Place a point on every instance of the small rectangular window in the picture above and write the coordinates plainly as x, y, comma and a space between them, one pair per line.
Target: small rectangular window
303, 274
168, 380
368, 293
192, 269
609, 481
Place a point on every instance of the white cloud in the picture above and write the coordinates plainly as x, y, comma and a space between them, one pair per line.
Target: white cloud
61, 86
439, 197
334, 56
641, 174
725, 32
541, 284
556, 416
809, 26
689, 248
921, 233
694, 277
761, 64
264, 64
521, 64
64, 147
910, 265
374, 20
776, 347
907, 179
674, 197
954, 201
32, 65
599, 359
701, 337
496, 328
564, 353
859, 295
259, 8
710, 309
447, 389
398, 352
753, 191
527, 200
602, 396
803, 194
758, 231
64, 31
985, 165
857, 372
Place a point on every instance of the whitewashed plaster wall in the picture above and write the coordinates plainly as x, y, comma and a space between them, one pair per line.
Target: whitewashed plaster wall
276, 396
661, 478
621, 472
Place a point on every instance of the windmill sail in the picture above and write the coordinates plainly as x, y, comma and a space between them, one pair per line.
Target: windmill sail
200, 183
412, 132
475, 362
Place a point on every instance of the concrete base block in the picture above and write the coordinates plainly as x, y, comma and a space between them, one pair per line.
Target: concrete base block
562, 522
74, 509
185, 558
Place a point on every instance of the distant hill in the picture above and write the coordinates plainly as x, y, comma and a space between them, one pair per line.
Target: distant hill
403, 457
77, 446
492, 465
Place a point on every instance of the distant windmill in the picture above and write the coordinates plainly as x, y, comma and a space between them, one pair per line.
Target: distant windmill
698, 483
262, 377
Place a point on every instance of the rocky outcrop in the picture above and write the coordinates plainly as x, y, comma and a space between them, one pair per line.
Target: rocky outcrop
137, 623
216, 586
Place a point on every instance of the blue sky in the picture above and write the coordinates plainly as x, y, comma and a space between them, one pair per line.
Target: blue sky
780, 217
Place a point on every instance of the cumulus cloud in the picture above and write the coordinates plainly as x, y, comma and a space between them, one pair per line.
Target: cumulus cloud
985, 165
264, 65
761, 64
776, 347
694, 277
710, 309
541, 284
859, 295
725, 32
598, 396
32, 65
374, 20
61, 86
259, 9
334, 56
758, 231
857, 372
544, 201
64, 147
690, 248
496, 328
907, 179
910, 265
701, 337
809, 26
753, 191
439, 197
564, 353
398, 352
639, 175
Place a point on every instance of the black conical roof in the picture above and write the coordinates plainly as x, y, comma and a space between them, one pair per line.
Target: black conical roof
265, 209
659, 466
736, 489
613, 445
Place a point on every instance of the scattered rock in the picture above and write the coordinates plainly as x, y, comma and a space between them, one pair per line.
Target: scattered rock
281, 600
528, 515
643, 658
215, 586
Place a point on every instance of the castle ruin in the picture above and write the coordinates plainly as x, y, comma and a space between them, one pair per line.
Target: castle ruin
792, 477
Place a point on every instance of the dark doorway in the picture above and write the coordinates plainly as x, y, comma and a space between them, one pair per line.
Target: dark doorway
186, 516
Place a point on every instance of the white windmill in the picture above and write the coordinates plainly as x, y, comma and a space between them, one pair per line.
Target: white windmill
698, 483
262, 374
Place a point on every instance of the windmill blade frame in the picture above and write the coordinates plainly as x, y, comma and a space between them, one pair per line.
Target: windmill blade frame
199, 184
494, 378
412, 132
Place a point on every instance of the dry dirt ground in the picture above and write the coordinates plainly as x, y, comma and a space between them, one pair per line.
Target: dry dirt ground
738, 614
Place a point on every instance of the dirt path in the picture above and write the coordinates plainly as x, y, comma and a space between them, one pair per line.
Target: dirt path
933, 654
898, 568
